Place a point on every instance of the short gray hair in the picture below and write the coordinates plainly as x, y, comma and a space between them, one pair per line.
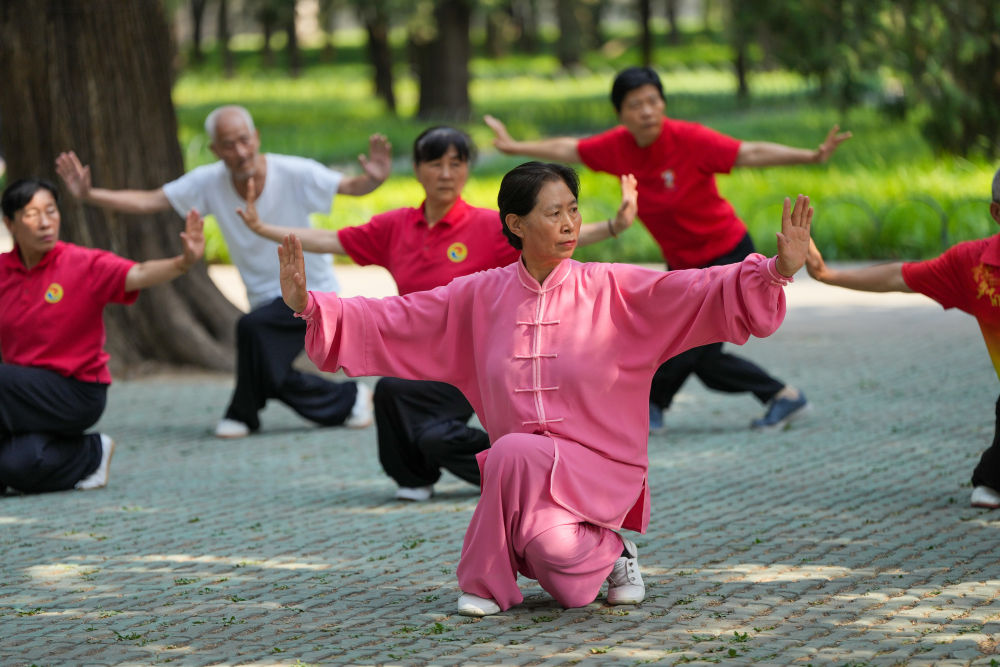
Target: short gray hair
213, 119
996, 186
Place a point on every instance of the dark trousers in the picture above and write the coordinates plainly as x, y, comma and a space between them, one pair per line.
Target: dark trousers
42, 419
422, 428
987, 472
716, 369
267, 341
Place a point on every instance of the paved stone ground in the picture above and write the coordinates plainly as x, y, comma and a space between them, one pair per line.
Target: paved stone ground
846, 539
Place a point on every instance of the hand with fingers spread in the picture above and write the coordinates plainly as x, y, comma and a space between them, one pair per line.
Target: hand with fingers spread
502, 140
793, 239
833, 139
249, 216
74, 174
293, 274
630, 204
378, 163
193, 238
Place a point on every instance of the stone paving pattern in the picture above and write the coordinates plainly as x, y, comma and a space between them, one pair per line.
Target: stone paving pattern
845, 539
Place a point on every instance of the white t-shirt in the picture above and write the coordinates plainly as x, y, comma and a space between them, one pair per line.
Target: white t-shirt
294, 188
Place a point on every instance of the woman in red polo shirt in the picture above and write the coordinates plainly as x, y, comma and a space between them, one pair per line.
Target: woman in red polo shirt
423, 426
54, 376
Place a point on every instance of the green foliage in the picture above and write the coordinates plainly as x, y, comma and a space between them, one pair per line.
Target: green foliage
884, 194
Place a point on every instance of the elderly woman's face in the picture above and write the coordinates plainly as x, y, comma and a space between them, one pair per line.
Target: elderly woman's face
551, 229
35, 227
444, 178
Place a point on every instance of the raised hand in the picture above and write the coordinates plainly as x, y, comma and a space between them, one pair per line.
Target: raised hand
193, 238
833, 139
74, 174
630, 204
815, 265
249, 216
378, 163
502, 140
293, 274
793, 239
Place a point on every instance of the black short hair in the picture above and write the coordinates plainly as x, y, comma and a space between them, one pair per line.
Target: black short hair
520, 186
434, 142
17, 195
631, 78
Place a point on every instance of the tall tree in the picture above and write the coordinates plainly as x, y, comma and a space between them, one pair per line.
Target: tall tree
110, 100
375, 16
197, 20
645, 32
572, 17
223, 33
441, 48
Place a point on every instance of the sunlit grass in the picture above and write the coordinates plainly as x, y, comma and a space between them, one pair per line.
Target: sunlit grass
884, 194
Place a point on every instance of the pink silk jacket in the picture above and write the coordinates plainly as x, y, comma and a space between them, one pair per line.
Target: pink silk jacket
571, 358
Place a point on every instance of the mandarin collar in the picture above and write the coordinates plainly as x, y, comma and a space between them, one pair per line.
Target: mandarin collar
552, 281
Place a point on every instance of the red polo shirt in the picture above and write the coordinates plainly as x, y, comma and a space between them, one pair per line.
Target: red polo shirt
678, 199
51, 316
419, 257
967, 277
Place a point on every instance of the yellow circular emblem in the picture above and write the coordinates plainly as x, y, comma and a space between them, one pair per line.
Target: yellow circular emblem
54, 293
457, 252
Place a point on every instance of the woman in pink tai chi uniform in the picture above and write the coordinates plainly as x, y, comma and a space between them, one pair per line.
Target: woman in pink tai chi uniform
556, 357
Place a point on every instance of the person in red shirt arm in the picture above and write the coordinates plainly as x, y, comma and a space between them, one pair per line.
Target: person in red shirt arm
423, 426
54, 377
675, 163
967, 277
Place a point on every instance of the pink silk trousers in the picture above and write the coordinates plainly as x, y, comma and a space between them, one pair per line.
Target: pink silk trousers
519, 528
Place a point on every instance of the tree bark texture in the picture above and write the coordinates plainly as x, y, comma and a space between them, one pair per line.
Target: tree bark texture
376, 20
102, 88
443, 64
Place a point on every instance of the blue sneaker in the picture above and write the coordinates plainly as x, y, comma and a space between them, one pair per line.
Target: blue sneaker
656, 419
781, 411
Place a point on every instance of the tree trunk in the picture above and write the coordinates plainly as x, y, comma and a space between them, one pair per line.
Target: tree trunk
525, 13
646, 33
266, 53
294, 56
109, 99
674, 33
376, 21
223, 33
569, 48
443, 64
197, 15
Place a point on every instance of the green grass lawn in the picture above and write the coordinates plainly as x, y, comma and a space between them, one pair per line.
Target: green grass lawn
884, 194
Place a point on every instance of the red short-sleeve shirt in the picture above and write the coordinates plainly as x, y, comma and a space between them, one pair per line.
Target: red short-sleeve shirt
679, 201
51, 316
967, 277
466, 240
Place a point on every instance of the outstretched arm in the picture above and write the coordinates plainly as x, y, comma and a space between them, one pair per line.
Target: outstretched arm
311, 239
557, 149
76, 177
157, 271
877, 278
376, 165
768, 154
598, 231
293, 274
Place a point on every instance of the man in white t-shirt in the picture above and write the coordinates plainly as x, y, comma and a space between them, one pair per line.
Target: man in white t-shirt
288, 189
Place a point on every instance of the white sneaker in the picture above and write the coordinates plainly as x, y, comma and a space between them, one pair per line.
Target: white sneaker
984, 496
625, 582
361, 413
230, 428
417, 494
99, 478
473, 605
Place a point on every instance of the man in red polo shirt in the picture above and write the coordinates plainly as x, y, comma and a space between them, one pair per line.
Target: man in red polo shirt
675, 163
967, 277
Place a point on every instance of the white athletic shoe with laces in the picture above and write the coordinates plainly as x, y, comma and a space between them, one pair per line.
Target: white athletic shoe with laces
625, 581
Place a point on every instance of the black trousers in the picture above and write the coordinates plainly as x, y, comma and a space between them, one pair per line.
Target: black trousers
267, 341
716, 369
422, 428
43, 416
987, 472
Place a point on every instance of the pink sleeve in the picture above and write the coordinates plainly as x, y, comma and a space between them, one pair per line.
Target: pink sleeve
694, 307
420, 336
